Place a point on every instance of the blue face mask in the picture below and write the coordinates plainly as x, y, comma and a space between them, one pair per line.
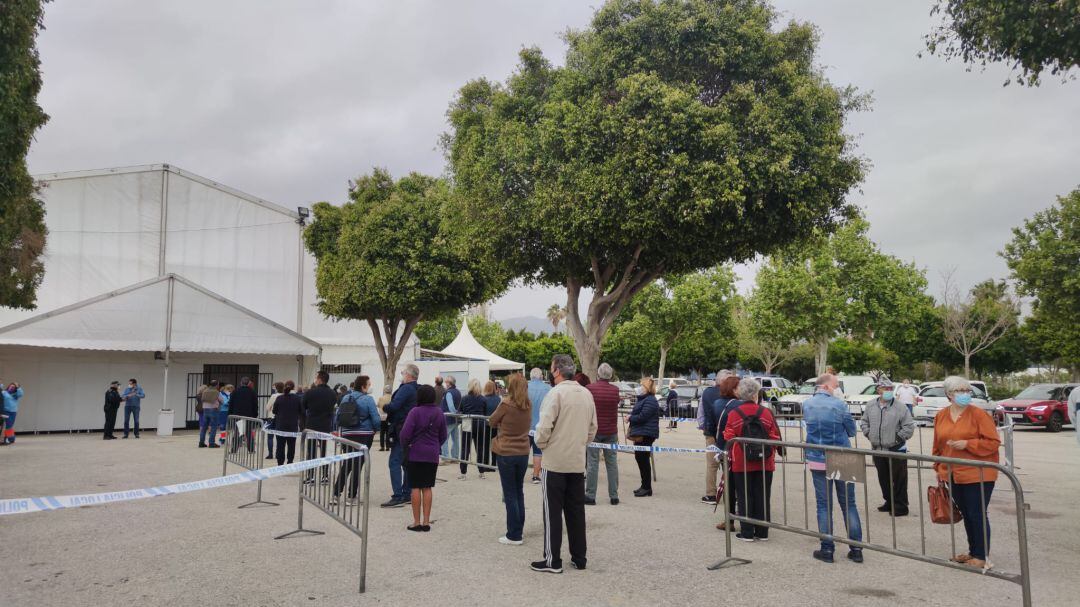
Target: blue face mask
887, 395
963, 399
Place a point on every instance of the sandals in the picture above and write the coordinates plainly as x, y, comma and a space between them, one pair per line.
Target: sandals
979, 564
961, 558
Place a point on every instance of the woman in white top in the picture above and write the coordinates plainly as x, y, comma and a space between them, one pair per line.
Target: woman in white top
268, 417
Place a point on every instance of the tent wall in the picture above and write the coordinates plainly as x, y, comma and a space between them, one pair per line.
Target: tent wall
65, 388
462, 370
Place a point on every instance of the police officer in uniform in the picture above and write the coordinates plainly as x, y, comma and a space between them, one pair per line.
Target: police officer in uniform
112, 404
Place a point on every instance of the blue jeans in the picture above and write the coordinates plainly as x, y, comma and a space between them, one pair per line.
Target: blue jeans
207, 421
130, 412
845, 498
399, 478
453, 438
973, 502
512, 470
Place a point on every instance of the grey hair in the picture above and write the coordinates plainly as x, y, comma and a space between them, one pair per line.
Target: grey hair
412, 370
536, 373
955, 383
824, 379
451, 381
604, 371
564, 364
747, 389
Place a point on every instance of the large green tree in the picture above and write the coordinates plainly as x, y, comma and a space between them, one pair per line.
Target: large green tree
436, 332
22, 214
838, 285
678, 135
1030, 35
393, 255
973, 323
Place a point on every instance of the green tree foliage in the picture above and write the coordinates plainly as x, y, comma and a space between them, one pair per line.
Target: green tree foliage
22, 214
671, 122
1051, 340
1031, 35
859, 356
838, 285
974, 323
437, 332
392, 255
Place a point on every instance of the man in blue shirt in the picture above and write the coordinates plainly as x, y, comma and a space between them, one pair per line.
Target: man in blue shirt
828, 422
403, 400
538, 389
450, 403
132, 398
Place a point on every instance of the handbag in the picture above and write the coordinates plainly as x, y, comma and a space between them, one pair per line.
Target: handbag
943, 510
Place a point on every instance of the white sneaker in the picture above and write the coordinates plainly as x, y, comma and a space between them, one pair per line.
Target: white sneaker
461, 477
481, 476
510, 542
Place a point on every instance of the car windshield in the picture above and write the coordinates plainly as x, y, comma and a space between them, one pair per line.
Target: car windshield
871, 389
1037, 392
807, 388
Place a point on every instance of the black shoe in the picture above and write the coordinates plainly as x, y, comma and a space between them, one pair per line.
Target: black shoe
825, 557
201, 445
213, 446
125, 436
884, 508
643, 493
589, 501
855, 555
577, 565
108, 437
708, 499
542, 566
136, 436
900, 513
393, 503
269, 457
614, 501
415, 527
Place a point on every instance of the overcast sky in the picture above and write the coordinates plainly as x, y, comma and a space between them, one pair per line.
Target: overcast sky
289, 100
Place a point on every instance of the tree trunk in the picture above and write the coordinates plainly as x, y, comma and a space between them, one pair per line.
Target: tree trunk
663, 362
768, 366
967, 364
821, 354
388, 345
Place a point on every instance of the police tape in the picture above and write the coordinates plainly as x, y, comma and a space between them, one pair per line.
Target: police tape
58, 502
319, 435
653, 449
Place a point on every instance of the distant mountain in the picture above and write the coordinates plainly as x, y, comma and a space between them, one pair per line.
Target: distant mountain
532, 324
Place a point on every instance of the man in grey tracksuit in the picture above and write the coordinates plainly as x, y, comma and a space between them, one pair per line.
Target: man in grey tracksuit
889, 424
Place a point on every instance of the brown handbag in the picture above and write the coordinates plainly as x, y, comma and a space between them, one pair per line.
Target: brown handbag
943, 510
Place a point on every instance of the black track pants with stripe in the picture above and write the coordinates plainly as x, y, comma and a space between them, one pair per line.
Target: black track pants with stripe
563, 494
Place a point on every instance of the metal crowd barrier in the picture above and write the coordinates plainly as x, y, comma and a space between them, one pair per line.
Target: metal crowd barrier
244, 444
469, 441
848, 465
340, 489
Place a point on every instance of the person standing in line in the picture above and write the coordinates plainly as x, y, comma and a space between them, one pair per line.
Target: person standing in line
397, 411
245, 402
112, 405
132, 398
965, 432
512, 418
709, 396
905, 394
672, 403
888, 424
472, 403
210, 399
358, 421
828, 422
440, 390
384, 426
223, 414
450, 402
538, 389
606, 400
268, 419
752, 466
491, 403
423, 433
13, 393
724, 404
317, 405
644, 430
567, 424
286, 411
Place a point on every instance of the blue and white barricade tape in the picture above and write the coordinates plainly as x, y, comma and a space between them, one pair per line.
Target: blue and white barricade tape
654, 449
57, 502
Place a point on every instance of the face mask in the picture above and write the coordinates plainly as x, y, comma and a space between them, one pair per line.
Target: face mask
888, 395
639, 390
963, 399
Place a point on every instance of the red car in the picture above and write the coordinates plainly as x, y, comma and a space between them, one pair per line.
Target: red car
1040, 405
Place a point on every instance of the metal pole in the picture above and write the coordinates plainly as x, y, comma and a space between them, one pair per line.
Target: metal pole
364, 536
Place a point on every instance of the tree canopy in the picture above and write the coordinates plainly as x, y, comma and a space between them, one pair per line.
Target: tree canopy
1031, 35
671, 122
393, 255
22, 214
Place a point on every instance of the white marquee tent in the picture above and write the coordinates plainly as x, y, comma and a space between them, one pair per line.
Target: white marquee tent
466, 346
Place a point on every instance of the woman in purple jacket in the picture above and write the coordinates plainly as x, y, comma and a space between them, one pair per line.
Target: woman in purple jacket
422, 435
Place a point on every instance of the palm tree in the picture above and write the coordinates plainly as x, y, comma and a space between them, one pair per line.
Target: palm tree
556, 314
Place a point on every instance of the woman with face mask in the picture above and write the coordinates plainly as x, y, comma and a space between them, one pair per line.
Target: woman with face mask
966, 432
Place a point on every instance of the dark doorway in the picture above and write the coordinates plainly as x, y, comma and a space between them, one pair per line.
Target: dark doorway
225, 374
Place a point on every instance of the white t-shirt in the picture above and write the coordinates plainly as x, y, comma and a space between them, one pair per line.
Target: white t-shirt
1074, 416
906, 393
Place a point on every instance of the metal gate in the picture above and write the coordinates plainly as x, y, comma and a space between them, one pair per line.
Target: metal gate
225, 374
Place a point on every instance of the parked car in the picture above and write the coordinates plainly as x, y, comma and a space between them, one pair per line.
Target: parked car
626, 392
791, 403
850, 385
857, 402
1040, 405
775, 387
931, 399
679, 382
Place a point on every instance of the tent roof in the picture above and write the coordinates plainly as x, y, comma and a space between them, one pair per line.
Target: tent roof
466, 346
164, 313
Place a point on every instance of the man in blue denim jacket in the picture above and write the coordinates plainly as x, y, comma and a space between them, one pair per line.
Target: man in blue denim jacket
828, 422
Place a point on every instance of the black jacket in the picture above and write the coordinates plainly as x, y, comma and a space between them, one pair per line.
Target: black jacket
244, 402
645, 417
112, 400
287, 412
473, 404
318, 406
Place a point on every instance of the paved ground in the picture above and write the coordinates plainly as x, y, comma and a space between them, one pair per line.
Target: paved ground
198, 548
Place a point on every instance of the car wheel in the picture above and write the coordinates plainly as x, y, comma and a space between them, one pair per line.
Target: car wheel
1055, 423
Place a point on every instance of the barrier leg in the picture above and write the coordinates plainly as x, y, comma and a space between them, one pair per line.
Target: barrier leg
300, 503
728, 560
260, 439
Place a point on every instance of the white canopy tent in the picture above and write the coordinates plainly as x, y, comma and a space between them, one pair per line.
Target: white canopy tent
466, 346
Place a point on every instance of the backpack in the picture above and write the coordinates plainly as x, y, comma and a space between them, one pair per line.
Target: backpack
753, 427
348, 412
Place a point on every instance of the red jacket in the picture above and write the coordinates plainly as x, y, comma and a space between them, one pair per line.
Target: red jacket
734, 429
606, 398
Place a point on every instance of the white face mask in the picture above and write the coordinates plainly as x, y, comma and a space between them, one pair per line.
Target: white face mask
639, 390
